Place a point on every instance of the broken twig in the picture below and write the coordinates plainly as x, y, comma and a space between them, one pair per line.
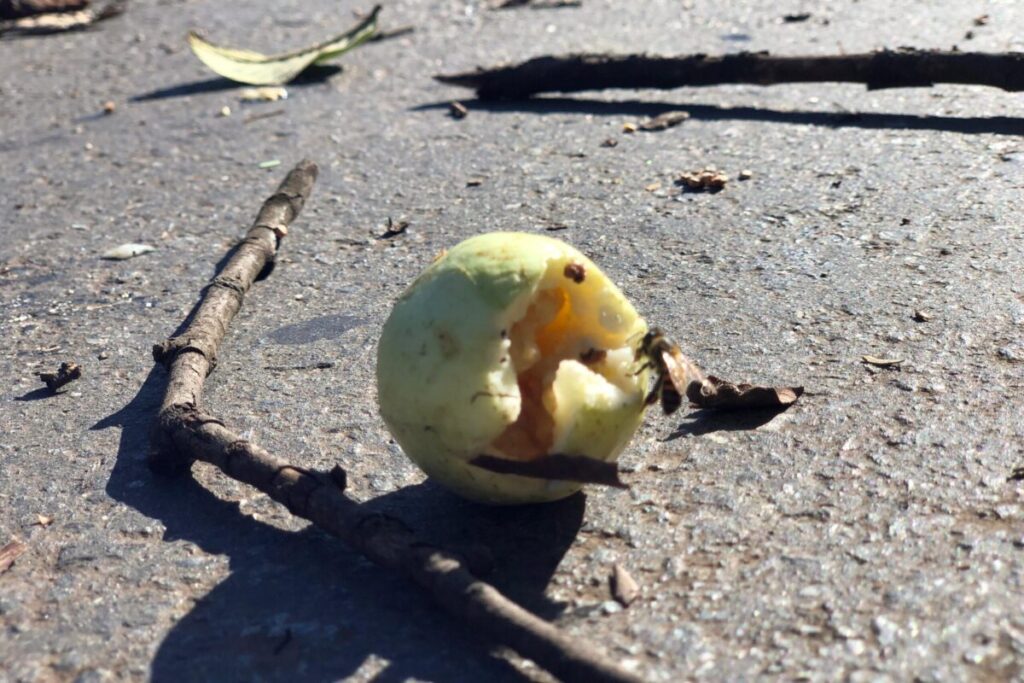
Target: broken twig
184, 433
66, 374
904, 68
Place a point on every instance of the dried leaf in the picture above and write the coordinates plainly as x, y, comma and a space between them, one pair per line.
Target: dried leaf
717, 394
882, 362
708, 180
246, 66
669, 119
127, 251
556, 467
624, 588
9, 553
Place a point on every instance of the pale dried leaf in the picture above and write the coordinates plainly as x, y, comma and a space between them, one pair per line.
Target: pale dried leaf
127, 251
882, 362
269, 93
247, 66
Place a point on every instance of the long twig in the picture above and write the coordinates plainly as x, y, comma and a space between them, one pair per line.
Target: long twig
185, 433
902, 68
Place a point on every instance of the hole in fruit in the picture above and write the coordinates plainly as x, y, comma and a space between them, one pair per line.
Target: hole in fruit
564, 322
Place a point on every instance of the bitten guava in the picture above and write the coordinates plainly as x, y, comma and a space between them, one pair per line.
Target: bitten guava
516, 346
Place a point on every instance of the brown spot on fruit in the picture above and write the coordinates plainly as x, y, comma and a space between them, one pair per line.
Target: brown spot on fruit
449, 347
575, 272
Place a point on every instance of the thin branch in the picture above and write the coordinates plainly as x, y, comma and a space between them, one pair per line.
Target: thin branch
904, 68
185, 433
15, 9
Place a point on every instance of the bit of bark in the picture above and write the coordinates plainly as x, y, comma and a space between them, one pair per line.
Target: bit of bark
708, 180
922, 316
457, 110
394, 229
903, 68
669, 119
184, 433
796, 18
882, 362
624, 588
9, 553
717, 394
556, 467
66, 374
536, 4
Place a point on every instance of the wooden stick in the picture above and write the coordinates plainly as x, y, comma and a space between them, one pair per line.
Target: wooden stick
904, 68
184, 433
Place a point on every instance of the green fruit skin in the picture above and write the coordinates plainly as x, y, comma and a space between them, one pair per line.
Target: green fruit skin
444, 391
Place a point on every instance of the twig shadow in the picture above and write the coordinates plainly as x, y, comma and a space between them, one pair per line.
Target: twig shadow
38, 394
302, 606
315, 74
999, 125
702, 422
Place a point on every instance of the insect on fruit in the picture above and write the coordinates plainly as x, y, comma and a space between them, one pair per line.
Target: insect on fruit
674, 370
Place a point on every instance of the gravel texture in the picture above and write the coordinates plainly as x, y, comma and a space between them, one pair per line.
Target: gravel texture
872, 532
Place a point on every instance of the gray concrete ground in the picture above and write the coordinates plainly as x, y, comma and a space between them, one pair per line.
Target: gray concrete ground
872, 532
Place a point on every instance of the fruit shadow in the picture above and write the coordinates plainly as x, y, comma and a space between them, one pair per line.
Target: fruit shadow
318, 73
300, 605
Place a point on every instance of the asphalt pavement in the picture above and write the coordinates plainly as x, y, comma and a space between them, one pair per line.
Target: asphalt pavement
872, 532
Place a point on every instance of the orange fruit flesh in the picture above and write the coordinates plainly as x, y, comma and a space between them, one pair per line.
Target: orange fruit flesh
550, 323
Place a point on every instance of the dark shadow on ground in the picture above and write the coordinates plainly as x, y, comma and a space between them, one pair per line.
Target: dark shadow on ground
315, 74
37, 394
1000, 125
706, 421
301, 606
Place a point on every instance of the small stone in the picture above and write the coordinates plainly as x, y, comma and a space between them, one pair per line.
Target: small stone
611, 607
922, 316
885, 629
109, 107
746, 174
224, 112
1013, 353
624, 588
